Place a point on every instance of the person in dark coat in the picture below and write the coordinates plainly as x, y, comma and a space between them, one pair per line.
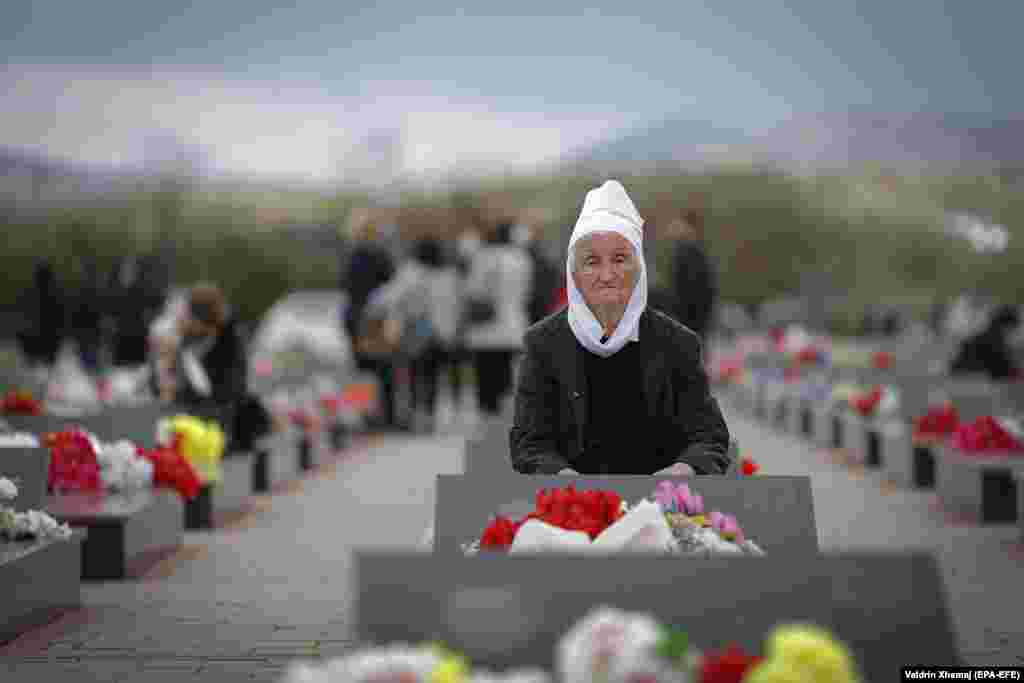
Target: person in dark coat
212, 362
989, 352
545, 276
46, 317
128, 306
369, 267
694, 277
87, 318
609, 386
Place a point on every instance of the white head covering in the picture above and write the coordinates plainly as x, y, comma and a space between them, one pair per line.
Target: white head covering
607, 209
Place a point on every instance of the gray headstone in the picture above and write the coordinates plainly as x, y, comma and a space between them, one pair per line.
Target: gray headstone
28, 468
776, 512
511, 611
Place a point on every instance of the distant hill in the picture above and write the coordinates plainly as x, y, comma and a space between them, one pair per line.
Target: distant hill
827, 142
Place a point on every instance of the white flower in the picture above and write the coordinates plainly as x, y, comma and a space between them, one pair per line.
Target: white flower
622, 640
34, 523
8, 491
392, 661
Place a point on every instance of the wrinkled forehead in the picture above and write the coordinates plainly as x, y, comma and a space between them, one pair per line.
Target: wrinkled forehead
605, 242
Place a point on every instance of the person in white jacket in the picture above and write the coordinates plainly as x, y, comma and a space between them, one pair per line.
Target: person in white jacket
499, 279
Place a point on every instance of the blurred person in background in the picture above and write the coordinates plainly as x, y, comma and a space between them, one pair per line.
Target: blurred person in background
212, 364
45, 313
990, 351
127, 306
422, 297
497, 298
369, 266
87, 318
545, 280
693, 275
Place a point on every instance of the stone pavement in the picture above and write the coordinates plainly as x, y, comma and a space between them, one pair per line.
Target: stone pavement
241, 603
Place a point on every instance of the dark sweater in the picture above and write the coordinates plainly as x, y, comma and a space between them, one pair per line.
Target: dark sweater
616, 407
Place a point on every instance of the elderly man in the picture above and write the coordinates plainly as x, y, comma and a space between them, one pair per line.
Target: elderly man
607, 386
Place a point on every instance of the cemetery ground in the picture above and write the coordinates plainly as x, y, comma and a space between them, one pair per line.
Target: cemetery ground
240, 603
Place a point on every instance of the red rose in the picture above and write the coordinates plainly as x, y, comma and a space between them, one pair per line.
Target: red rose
729, 666
499, 534
748, 467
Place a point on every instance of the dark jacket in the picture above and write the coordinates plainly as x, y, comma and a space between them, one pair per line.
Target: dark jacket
695, 287
550, 408
369, 267
227, 368
989, 351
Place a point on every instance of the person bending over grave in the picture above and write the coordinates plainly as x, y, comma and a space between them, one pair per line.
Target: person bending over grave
608, 385
212, 362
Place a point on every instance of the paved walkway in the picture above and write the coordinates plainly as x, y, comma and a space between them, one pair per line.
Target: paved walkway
240, 603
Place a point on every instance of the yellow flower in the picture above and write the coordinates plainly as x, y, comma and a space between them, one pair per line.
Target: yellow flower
452, 668
812, 651
775, 671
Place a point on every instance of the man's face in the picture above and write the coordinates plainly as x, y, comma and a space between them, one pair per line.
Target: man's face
606, 269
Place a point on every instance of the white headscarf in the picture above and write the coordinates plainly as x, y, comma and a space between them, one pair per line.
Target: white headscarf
607, 209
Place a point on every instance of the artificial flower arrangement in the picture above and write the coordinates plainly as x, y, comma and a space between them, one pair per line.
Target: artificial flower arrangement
726, 370
987, 436
674, 522
748, 468
879, 401
200, 442
171, 469
17, 402
28, 525
939, 422
80, 462
610, 645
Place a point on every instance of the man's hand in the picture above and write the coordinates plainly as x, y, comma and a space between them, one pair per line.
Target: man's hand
568, 472
680, 469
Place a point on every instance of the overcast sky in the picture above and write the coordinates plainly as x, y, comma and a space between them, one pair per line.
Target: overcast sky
293, 90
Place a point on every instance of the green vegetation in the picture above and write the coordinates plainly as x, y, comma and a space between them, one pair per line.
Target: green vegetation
878, 238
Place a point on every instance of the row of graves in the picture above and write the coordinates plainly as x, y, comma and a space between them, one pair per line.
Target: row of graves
634, 579
898, 411
106, 492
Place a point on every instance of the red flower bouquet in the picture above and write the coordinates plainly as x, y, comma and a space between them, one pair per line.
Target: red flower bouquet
729, 666
21, 403
748, 467
939, 421
588, 511
73, 463
985, 435
172, 469
865, 404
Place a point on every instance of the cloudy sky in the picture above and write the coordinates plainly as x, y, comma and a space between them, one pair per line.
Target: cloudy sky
322, 89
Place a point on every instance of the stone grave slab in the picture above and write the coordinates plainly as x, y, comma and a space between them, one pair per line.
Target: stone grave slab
229, 496
982, 489
776, 512
128, 532
38, 581
510, 611
28, 468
